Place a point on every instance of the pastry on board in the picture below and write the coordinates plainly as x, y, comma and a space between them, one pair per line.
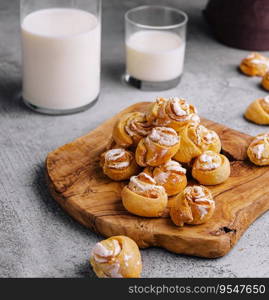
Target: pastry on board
258, 111
119, 164
173, 112
116, 257
143, 197
211, 168
171, 175
195, 139
195, 205
255, 64
258, 150
158, 147
130, 129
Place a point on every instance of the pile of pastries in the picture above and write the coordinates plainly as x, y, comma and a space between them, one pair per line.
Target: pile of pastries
156, 150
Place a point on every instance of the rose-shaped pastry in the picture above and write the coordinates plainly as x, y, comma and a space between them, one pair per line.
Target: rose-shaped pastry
158, 147
255, 65
195, 139
130, 129
258, 150
119, 164
195, 205
143, 197
258, 111
116, 257
173, 112
171, 175
211, 168
265, 81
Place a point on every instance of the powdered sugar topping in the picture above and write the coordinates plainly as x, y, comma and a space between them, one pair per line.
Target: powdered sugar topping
114, 154
164, 136
209, 161
172, 165
266, 99
180, 107
197, 194
260, 61
258, 150
137, 184
101, 254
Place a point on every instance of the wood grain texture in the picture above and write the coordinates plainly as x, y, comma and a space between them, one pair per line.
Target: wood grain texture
77, 183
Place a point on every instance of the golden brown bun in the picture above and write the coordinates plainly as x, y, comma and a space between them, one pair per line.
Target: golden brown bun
130, 129
171, 175
195, 139
211, 168
158, 147
116, 257
119, 164
265, 81
258, 150
255, 65
174, 113
143, 197
195, 205
258, 111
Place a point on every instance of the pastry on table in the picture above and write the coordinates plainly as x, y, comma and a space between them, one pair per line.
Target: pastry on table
172, 112
265, 81
195, 205
143, 197
195, 139
119, 164
116, 257
158, 147
211, 168
255, 65
171, 175
258, 111
258, 150
130, 129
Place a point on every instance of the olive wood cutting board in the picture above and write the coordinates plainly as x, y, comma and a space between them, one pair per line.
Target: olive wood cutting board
77, 183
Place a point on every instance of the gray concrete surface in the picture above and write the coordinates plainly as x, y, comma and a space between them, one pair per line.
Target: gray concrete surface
37, 239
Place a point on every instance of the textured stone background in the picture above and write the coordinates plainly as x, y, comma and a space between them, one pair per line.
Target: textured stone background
37, 239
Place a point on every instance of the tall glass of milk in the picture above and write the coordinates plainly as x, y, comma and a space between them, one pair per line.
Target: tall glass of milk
61, 45
155, 39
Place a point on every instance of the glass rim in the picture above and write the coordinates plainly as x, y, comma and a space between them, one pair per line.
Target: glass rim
143, 7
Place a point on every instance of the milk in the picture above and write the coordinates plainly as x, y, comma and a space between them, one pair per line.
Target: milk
61, 58
155, 55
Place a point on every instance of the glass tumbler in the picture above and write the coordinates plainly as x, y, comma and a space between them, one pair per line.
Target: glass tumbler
61, 45
155, 39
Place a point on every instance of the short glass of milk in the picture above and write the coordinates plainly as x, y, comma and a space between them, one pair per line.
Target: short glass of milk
61, 45
155, 39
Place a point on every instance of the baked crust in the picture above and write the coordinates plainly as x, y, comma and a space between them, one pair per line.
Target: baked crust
258, 150
143, 197
130, 129
119, 164
255, 65
158, 147
173, 112
211, 168
194, 140
195, 205
171, 176
258, 111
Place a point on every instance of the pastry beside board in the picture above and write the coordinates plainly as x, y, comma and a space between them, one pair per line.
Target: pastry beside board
135, 185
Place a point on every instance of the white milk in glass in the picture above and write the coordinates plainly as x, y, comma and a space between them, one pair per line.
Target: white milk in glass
155, 55
61, 58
